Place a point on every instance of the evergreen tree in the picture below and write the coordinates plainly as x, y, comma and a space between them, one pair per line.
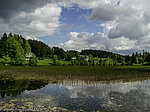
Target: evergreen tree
69, 55
147, 58
133, 58
3, 45
27, 47
59, 52
39, 48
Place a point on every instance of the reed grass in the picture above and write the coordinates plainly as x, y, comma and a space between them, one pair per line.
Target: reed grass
89, 73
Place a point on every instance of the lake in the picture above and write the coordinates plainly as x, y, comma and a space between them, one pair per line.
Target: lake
75, 95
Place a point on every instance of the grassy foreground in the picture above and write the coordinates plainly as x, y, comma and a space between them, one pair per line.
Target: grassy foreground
89, 73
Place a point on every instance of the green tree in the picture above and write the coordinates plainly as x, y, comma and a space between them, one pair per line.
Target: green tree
6, 60
27, 48
15, 51
137, 60
55, 60
91, 60
33, 61
100, 62
3, 45
39, 48
86, 63
59, 52
140, 60
147, 57
10, 35
123, 63
42, 51
13, 48
70, 55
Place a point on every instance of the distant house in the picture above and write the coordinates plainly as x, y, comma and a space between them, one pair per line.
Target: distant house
87, 58
29, 55
74, 58
84, 56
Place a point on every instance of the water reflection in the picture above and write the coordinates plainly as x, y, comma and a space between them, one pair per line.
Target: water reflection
75, 95
14, 87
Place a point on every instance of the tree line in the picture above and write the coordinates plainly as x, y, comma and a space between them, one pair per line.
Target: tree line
14, 50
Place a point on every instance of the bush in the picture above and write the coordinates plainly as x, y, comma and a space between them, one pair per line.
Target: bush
64, 64
12, 62
59, 64
123, 63
73, 62
146, 64
6, 60
18, 61
32, 61
86, 63
55, 60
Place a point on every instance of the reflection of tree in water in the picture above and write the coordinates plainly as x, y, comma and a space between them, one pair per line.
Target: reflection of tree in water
15, 87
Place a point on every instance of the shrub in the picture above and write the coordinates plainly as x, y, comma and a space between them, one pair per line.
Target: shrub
6, 60
32, 61
18, 61
55, 59
12, 62
59, 64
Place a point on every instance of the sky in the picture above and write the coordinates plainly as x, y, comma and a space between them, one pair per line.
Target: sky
120, 26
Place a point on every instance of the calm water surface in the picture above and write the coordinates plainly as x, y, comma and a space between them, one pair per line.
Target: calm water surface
75, 95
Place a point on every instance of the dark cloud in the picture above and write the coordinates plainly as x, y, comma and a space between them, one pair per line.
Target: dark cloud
103, 14
10, 8
29, 16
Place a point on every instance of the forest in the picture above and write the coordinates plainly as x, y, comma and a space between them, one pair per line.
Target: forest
16, 50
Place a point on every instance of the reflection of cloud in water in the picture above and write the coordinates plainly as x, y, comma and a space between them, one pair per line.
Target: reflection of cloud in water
54, 90
100, 90
117, 96
103, 89
106, 94
39, 98
130, 101
80, 95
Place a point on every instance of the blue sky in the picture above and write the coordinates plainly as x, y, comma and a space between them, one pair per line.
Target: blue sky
73, 19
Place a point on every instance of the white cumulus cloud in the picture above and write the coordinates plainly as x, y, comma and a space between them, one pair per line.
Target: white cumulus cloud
98, 41
40, 22
128, 19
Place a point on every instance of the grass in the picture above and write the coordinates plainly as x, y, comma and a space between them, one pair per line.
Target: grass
87, 73
45, 62
50, 62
